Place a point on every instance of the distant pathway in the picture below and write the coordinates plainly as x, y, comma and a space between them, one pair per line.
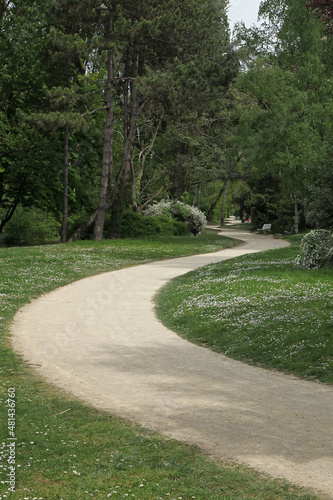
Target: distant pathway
99, 339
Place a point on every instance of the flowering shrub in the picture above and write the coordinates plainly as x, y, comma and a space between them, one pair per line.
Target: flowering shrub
316, 249
196, 220
161, 208
193, 217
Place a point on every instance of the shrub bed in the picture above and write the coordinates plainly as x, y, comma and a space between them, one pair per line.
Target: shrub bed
30, 226
136, 225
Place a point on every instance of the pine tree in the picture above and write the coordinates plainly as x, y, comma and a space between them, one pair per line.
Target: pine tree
156, 56
25, 153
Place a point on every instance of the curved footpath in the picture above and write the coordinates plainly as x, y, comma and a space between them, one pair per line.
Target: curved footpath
99, 339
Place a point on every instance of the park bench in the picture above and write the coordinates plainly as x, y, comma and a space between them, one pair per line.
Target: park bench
292, 231
265, 227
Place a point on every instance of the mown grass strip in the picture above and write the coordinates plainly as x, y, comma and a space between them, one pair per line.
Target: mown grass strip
259, 309
65, 449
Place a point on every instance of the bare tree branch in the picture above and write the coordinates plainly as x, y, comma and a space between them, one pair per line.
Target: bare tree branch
94, 111
152, 197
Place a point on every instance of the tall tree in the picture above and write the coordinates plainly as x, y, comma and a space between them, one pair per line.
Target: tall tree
157, 52
66, 50
283, 138
25, 153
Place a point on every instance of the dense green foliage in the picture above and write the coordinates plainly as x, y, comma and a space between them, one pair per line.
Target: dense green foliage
137, 225
286, 129
105, 107
30, 226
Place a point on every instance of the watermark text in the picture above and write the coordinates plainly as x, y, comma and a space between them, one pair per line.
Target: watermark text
11, 439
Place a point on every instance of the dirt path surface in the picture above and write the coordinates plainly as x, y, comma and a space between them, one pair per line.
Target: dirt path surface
99, 340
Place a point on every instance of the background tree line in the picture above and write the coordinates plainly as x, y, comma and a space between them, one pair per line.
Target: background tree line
285, 131
108, 106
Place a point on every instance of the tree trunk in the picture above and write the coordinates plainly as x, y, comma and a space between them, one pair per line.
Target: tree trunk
65, 186
65, 169
296, 217
107, 162
117, 211
87, 223
136, 180
109, 200
3, 7
228, 176
199, 196
151, 198
213, 205
134, 197
224, 200
9, 214
119, 197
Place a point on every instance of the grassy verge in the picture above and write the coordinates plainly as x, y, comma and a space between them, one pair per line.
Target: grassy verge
64, 449
259, 309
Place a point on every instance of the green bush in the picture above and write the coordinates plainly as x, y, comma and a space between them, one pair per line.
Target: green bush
30, 226
192, 216
316, 249
135, 225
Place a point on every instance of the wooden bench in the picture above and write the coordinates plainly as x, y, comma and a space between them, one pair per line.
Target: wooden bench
265, 227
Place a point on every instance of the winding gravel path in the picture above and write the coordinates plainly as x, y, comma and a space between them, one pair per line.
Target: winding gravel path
99, 340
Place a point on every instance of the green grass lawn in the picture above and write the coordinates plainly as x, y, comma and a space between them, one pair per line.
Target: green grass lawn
66, 450
259, 309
